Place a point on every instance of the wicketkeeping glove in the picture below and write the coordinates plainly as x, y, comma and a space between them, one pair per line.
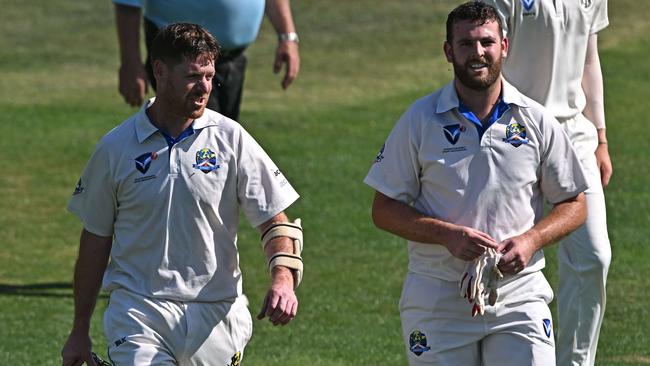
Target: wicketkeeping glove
481, 278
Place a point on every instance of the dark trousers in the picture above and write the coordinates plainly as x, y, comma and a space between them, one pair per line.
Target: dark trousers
228, 82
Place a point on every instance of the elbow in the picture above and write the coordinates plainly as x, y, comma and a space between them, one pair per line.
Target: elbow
581, 209
377, 217
379, 211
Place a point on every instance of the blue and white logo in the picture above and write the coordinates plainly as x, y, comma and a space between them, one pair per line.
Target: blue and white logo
548, 327
528, 4
206, 161
452, 133
143, 162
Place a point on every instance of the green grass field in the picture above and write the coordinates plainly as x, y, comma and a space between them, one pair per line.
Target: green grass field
363, 63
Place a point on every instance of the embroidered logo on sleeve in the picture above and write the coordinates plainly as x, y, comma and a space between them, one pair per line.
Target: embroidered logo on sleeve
78, 189
206, 161
380, 155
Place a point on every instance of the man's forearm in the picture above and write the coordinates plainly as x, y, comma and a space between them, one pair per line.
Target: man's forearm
405, 221
279, 13
127, 19
563, 218
94, 252
592, 85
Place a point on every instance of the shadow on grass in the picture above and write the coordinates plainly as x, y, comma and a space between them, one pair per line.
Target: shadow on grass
53, 289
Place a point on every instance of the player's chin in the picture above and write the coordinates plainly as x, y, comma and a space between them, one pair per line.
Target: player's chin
196, 111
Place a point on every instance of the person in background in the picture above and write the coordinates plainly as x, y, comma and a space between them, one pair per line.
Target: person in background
554, 60
234, 23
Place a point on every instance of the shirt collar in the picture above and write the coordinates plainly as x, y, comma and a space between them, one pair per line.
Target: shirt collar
448, 99
144, 128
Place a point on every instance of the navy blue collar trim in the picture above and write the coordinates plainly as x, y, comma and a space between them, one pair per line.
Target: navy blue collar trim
189, 131
497, 112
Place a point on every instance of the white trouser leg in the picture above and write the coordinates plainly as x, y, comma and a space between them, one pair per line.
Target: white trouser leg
583, 261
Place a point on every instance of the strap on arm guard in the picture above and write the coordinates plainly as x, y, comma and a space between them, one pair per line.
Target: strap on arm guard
292, 230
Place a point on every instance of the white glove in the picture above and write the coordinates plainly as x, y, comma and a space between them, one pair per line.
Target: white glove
481, 277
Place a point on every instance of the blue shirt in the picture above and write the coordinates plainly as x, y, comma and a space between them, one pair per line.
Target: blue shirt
234, 23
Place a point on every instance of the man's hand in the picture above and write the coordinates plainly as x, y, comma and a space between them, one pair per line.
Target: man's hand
133, 83
604, 164
468, 244
287, 54
481, 277
280, 303
77, 350
516, 253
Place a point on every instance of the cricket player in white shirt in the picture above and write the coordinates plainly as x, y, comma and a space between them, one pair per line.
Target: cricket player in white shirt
160, 197
463, 177
554, 59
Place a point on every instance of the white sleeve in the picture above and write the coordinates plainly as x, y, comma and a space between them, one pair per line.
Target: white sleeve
396, 170
262, 189
94, 198
562, 175
600, 19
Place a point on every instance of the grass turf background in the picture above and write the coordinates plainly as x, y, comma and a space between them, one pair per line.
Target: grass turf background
363, 63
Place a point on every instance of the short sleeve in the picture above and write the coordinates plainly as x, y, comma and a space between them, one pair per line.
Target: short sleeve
94, 197
262, 189
396, 170
562, 175
600, 18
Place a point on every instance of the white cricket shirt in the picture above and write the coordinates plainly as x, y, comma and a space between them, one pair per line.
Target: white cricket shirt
548, 46
436, 160
174, 212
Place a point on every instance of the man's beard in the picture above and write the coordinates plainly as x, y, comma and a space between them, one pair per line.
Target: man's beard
463, 74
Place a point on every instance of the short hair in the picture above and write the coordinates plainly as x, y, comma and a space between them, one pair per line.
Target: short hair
184, 40
475, 11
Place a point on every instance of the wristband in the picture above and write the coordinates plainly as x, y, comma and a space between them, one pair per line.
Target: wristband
288, 37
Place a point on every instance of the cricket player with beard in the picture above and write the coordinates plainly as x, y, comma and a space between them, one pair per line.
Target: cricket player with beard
160, 197
463, 176
554, 60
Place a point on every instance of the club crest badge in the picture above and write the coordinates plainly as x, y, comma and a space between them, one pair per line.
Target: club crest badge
516, 135
528, 4
143, 162
418, 343
452, 133
548, 327
206, 161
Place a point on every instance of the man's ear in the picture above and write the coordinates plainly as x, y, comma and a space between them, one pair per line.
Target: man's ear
449, 53
160, 70
505, 44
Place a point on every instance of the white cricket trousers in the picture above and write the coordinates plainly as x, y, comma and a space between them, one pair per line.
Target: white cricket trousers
439, 330
144, 331
583, 261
